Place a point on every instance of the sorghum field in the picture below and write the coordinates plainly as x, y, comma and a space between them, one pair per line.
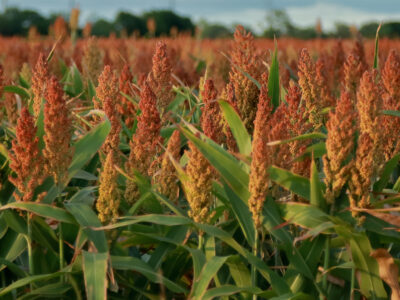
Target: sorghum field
181, 168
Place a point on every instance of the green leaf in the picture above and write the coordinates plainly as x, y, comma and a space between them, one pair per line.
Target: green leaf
50, 290
237, 127
290, 181
376, 54
316, 189
209, 270
43, 210
277, 282
273, 79
95, 271
167, 220
27, 280
87, 147
74, 83
228, 290
304, 215
137, 265
387, 171
12, 246
243, 215
394, 113
16, 90
370, 283
306, 136
239, 271
86, 217
228, 166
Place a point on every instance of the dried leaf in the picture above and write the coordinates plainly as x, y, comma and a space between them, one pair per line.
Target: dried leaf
388, 271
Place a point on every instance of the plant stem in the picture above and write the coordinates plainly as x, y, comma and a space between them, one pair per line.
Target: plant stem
326, 263
29, 242
353, 276
253, 268
61, 248
201, 240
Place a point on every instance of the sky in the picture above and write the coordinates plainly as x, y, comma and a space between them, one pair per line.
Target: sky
247, 12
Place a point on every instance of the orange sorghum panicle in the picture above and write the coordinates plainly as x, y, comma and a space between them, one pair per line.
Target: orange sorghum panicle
339, 146
310, 88
109, 195
168, 177
125, 107
391, 101
145, 143
92, 63
40, 77
60, 28
198, 186
298, 125
11, 106
211, 121
57, 132
369, 104
280, 130
369, 154
353, 70
160, 77
261, 156
338, 61
244, 59
107, 93
323, 82
391, 75
26, 160
361, 173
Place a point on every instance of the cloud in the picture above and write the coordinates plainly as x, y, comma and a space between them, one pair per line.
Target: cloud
330, 13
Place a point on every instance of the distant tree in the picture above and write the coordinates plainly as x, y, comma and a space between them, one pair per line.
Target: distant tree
213, 31
369, 30
166, 19
17, 22
102, 28
130, 23
390, 30
342, 31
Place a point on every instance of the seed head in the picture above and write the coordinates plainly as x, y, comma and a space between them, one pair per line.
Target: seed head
58, 132
126, 107
40, 78
168, 178
261, 156
211, 119
109, 195
244, 59
198, 187
340, 146
160, 77
26, 160
310, 89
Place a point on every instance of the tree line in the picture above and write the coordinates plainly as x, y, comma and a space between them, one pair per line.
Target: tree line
17, 22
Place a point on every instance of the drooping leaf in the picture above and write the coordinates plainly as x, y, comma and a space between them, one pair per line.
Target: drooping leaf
237, 127
95, 271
